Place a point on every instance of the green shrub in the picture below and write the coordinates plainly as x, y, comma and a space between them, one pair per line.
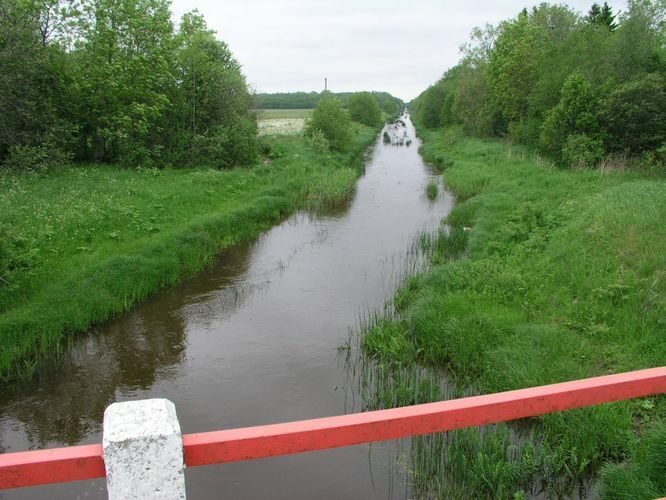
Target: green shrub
634, 115
272, 147
36, 158
525, 131
318, 143
333, 121
363, 108
242, 141
581, 151
137, 154
225, 146
576, 113
657, 158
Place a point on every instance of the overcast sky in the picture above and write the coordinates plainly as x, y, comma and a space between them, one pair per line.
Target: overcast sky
397, 46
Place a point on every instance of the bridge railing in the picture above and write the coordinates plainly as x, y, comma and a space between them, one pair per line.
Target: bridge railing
140, 432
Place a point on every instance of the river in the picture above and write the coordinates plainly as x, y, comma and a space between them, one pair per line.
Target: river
252, 340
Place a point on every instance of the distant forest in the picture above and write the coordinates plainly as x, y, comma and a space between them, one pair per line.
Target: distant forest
308, 100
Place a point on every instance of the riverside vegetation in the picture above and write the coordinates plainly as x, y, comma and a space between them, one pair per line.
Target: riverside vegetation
542, 276
551, 267
84, 242
122, 142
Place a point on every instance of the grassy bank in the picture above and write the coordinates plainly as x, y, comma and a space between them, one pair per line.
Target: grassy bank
81, 244
545, 276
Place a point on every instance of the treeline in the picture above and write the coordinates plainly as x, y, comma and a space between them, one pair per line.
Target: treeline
581, 88
116, 81
308, 100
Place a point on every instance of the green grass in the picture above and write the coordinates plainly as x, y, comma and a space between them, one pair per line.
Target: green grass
644, 476
282, 114
81, 244
545, 276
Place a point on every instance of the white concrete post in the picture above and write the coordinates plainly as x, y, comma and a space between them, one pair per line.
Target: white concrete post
143, 450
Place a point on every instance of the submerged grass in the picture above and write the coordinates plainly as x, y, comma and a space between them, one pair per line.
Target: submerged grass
81, 244
431, 190
540, 276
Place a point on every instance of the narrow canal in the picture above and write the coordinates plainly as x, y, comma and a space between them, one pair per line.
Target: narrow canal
252, 340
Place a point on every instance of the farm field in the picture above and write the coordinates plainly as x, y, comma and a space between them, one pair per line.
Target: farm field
281, 121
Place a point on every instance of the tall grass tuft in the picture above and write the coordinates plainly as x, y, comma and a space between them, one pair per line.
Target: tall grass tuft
431, 190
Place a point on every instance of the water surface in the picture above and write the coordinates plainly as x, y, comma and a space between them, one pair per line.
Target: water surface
252, 340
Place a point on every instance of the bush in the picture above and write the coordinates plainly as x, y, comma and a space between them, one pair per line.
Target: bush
272, 147
332, 121
581, 151
525, 131
634, 115
363, 108
225, 146
242, 141
657, 158
429, 112
136, 154
318, 143
36, 158
575, 114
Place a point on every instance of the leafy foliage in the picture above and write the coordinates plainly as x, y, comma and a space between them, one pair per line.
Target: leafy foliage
634, 115
575, 115
332, 120
109, 81
363, 108
565, 83
35, 158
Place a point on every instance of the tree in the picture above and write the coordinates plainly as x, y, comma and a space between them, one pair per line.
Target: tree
602, 16
333, 121
124, 75
470, 106
429, 110
634, 115
31, 83
363, 108
513, 68
576, 114
638, 43
210, 119
21, 61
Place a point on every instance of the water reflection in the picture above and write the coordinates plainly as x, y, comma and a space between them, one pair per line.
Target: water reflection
65, 403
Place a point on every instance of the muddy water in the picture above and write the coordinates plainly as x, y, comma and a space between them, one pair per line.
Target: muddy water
252, 340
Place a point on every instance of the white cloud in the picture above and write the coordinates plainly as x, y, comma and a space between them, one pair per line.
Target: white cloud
393, 45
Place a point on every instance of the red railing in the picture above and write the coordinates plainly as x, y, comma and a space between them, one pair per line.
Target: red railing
86, 462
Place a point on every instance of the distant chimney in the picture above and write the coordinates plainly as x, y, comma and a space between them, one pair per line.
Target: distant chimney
325, 84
